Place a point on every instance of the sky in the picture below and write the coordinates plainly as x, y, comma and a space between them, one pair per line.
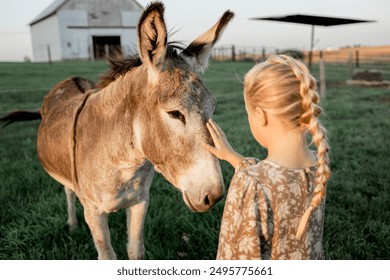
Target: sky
191, 18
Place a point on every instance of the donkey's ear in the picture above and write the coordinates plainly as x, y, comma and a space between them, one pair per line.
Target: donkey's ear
152, 35
197, 54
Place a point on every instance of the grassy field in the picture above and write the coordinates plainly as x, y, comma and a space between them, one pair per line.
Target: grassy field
33, 207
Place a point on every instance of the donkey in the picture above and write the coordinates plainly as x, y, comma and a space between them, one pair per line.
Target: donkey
103, 142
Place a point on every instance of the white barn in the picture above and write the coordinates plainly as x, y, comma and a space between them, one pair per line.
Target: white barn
85, 29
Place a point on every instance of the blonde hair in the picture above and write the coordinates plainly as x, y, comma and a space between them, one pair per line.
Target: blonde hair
283, 86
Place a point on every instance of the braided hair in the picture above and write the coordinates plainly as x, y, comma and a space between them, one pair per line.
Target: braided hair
284, 86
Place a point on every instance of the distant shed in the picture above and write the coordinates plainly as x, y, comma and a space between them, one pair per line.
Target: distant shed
84, 29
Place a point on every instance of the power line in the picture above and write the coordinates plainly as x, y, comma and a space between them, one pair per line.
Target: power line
13, 33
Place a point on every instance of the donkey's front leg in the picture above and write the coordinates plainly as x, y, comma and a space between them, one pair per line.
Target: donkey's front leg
98, 224
135, 229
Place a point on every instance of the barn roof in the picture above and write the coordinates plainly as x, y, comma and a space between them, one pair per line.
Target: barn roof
49, 11
313, 20
53, 8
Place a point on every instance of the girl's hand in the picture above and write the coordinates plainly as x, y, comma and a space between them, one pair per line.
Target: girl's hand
222, 148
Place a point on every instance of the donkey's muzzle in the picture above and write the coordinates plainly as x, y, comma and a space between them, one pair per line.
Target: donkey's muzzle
204, 201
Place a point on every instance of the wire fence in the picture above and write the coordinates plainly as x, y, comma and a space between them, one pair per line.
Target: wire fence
354, 57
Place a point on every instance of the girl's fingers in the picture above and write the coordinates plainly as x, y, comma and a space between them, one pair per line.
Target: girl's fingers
217, 129
212, 131
208, 147
211, 149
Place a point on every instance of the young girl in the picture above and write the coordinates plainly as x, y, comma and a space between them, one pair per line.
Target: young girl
275, 207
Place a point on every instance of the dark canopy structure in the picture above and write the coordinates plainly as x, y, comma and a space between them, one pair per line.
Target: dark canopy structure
313, 21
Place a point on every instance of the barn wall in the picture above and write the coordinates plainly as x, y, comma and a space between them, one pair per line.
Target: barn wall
129, 34
43, 34
103, 12
74, 42
130, 18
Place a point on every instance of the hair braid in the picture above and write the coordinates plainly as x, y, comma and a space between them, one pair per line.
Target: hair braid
309, 119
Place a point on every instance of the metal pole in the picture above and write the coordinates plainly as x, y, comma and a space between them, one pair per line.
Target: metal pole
322, 76
311, 47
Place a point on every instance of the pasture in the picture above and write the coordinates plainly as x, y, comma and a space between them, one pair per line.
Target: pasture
33, 207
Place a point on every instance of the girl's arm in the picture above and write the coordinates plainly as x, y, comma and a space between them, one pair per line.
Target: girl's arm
222, 148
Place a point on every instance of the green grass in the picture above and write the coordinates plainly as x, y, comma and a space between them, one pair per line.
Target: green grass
33, 207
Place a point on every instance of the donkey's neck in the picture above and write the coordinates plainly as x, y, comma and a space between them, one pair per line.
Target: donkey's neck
114, 95
114, 110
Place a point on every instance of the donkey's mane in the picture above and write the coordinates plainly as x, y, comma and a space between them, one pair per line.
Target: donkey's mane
121, 65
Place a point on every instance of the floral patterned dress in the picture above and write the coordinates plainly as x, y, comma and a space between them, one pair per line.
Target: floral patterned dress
263, 209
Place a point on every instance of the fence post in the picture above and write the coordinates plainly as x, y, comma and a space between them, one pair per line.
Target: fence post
350, 63
233, 53
357, 58
49, 54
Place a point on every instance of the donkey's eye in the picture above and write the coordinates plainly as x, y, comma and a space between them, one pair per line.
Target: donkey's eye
177, 115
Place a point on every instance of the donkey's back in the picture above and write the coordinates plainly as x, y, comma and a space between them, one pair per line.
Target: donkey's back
58, 112
66, 93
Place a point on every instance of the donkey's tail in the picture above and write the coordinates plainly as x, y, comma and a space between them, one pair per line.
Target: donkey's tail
19, 116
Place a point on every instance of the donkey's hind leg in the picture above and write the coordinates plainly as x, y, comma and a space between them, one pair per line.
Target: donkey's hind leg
71, 203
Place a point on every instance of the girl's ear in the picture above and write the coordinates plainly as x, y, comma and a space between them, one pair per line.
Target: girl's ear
261, 116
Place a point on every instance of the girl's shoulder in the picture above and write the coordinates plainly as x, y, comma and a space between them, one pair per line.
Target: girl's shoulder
266, 171
253, 164
268, 164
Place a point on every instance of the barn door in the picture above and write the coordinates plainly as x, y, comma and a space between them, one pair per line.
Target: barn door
104, 46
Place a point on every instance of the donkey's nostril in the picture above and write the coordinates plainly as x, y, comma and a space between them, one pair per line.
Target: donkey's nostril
206, 200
